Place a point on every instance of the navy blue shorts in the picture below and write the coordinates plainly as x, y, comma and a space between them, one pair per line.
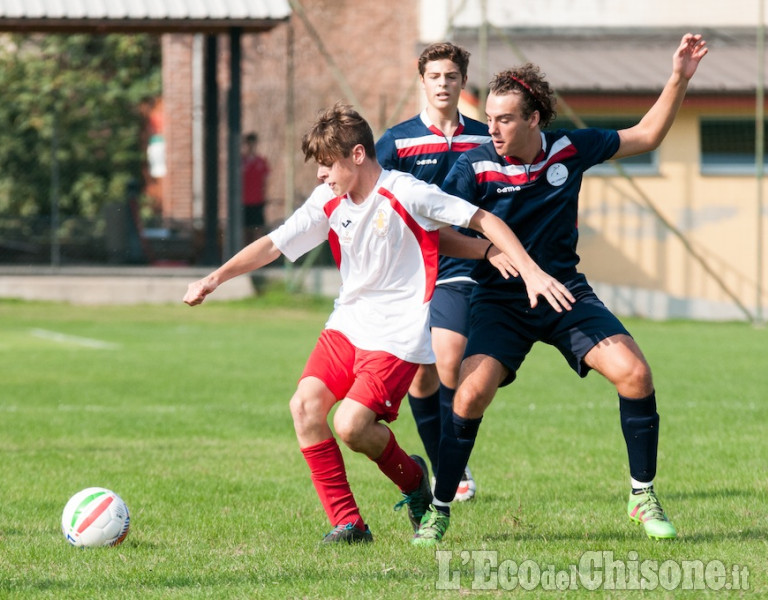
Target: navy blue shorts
449, 308
506, 327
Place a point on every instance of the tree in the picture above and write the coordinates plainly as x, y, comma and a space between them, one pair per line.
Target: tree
83, 95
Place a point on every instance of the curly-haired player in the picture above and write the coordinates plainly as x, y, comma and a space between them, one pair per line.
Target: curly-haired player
531, 178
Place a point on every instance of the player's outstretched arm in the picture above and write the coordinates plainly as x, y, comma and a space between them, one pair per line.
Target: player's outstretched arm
458, 245
537, 282
261, 252
653, 127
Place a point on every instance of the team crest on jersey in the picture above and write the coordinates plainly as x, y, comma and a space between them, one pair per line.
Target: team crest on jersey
557, 174
380, 223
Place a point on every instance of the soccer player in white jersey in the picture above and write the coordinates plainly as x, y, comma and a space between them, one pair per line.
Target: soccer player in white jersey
383, 229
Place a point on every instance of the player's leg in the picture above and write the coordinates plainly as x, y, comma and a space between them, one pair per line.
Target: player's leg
358, 427
501, 335
310, 406
479, 379
449, 349
424, 400
380, 384
325, 379
620, 360
449, 318
617, 357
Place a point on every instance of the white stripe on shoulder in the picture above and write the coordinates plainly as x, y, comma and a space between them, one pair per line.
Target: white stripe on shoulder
465, 138
485, 166
558, 146
418, 141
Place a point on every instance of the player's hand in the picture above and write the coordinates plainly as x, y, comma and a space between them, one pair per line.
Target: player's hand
689, 53
501, 261
540, 283
198, 290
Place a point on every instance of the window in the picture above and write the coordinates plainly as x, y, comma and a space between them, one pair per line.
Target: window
641, 164
728, 146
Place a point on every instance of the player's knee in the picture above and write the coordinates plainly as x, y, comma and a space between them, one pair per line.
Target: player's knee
468, 402
636, 380
349, 433
305, 410
448, 369
425, 382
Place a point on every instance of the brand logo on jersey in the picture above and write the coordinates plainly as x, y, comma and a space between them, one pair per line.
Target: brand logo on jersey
426, 161
346, 233
557, 174
380, 223
508, 189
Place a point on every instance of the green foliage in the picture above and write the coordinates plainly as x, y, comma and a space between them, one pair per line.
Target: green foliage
184, 412
82, 93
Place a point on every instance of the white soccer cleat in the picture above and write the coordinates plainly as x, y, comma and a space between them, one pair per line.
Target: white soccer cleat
467, 487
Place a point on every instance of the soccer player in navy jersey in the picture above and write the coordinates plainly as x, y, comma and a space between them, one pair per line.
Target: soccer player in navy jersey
383, 230
530, 178
427, 145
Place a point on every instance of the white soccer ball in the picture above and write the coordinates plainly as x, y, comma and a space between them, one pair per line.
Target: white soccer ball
95, 517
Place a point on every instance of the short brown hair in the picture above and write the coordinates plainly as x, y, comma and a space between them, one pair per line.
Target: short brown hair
529, 82
444, 50
335, 133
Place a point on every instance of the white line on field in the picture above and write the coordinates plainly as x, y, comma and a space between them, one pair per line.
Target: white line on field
64, 338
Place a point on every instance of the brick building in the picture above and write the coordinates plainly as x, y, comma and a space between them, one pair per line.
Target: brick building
331, 50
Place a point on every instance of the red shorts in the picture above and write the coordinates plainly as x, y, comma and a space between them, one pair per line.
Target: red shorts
375, 379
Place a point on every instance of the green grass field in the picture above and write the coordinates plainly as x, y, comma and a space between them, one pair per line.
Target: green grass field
184, 413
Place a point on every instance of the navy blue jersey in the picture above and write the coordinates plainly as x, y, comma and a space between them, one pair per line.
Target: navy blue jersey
538, 201
418, 147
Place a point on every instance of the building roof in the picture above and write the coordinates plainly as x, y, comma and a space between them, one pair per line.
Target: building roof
153, 15
614, 61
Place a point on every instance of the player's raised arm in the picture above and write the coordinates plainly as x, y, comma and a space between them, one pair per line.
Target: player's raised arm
261, 252
653, 127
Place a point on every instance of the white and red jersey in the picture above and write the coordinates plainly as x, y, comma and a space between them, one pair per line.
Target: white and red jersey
386, 249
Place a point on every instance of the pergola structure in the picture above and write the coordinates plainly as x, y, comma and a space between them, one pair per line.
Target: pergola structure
207, 17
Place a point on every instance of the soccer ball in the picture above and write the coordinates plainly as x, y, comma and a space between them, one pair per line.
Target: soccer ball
95, 517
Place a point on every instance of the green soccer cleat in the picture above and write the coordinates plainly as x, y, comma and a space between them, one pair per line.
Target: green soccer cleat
645, 508
418, 500
349, 534
433, 526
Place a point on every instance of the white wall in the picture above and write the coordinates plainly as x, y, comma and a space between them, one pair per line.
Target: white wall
688, 14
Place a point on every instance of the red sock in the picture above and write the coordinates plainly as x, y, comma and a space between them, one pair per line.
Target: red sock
398, 466
326, 466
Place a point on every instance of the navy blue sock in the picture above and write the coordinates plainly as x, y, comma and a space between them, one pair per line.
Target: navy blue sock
446, 412
455, 448
640, 425
426, 413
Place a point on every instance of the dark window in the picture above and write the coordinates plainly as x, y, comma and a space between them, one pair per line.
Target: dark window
728, 146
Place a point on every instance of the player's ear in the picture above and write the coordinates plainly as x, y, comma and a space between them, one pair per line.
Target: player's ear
358, 154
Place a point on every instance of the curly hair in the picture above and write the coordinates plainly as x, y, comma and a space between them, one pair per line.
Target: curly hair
335, 133
445, 51
529, 82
